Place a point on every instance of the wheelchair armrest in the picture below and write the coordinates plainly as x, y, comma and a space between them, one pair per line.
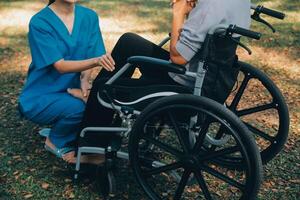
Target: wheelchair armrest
168, 66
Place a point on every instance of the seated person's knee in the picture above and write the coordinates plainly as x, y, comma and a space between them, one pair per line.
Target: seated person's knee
126, 38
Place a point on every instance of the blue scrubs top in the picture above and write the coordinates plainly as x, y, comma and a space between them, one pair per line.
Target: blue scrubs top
50, 41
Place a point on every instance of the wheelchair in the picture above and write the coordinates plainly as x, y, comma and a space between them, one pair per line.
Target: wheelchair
182, 144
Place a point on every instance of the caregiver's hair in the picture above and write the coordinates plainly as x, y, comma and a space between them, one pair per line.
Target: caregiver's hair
50, 2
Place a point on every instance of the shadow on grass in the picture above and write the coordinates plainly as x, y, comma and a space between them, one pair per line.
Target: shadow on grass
286, 36
290, 5
25, 166
15, 42
287, 5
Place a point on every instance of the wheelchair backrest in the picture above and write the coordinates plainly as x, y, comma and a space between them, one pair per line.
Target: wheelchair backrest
221, 51
220, 60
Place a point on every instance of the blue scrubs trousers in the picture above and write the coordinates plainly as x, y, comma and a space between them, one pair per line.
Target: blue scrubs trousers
65, 116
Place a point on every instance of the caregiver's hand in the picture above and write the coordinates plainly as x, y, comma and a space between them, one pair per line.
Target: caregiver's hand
85, 87
107, 62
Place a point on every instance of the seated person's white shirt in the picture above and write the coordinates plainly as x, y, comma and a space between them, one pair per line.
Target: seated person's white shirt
207, 14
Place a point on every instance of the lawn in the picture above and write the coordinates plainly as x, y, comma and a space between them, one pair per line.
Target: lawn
28, 172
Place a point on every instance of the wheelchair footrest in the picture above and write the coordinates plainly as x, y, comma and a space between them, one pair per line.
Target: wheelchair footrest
103, 131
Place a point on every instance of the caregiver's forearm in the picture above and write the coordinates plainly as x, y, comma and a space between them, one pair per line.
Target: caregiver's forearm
65, 66
177, 23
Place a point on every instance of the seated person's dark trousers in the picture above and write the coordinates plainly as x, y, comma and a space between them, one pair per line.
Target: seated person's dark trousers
128, 45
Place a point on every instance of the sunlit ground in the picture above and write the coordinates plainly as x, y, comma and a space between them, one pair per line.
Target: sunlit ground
277, 54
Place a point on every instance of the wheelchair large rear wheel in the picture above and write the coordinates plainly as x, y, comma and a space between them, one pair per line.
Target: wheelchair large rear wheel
260, 105
179, 165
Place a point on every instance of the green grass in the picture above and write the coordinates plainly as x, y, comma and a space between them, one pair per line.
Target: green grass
25, 167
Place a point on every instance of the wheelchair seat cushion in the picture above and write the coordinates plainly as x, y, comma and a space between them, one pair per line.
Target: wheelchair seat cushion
139, 97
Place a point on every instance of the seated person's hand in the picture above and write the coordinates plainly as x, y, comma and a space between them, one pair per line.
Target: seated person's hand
183, 6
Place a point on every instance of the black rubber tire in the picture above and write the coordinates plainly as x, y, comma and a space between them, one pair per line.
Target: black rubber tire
250, 150
280, 138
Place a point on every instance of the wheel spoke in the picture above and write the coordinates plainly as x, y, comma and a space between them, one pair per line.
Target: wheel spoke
182, 138
249, 111
182, 184
165, 168
163, 146
220, 132
203, 185
258, 132
219, 153
240, 92
222, 177
200, 138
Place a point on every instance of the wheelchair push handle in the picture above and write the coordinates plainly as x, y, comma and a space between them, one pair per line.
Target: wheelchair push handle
244, 32
273, 13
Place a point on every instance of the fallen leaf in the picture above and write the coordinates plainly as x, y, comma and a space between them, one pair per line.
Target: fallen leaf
71, 195
16, 157
45, 186
295, 181
28, 196
67, 180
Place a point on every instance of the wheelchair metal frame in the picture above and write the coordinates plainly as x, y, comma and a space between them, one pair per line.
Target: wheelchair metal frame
124, 131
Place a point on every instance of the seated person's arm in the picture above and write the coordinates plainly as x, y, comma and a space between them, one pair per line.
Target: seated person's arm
181, 9
188, 35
